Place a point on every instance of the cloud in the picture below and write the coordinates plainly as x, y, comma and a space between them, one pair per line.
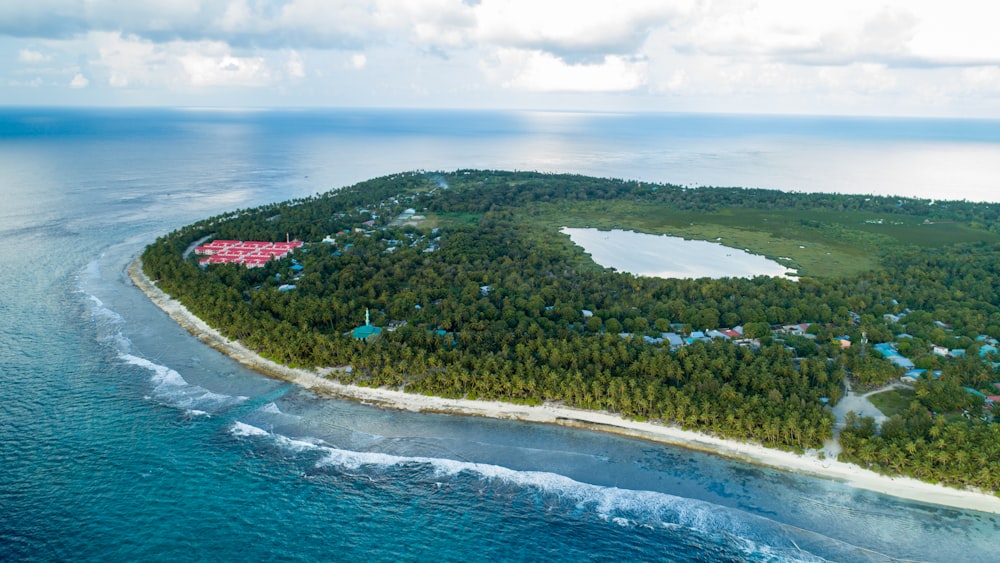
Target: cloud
981, 80
207, 69
468, 51
571, 30
295, 67
538, 71
894, 32
904, 34
28, 56
33, 83
79, 81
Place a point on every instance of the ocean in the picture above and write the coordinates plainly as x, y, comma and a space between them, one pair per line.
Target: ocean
124, 438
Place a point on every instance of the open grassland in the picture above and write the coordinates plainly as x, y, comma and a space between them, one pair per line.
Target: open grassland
819, 243
893, 401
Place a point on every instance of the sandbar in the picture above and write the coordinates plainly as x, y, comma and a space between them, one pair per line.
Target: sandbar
808, 464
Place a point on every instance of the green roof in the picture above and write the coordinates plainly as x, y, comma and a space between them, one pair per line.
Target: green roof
366, 331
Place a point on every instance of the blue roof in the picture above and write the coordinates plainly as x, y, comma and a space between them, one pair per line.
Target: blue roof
902, 362
887, 350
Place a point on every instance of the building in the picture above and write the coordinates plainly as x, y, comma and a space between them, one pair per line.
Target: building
366, 332
251, 254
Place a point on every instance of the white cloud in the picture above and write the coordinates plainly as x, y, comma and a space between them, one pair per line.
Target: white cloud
537, 71
491, 51
863, 78
130, 60
224, 70
29, 56
295, 67
571, 29
33, 83
79, 81
982, 80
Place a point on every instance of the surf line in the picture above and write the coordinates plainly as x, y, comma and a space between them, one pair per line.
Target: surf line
806, 464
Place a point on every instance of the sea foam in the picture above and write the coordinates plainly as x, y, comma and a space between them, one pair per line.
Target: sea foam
171, 388
622, 508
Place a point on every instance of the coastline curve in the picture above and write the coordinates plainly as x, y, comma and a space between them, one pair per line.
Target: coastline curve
807, 464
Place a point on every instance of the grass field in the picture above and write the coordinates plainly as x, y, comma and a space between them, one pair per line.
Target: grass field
819, 243
815, 242
893, 401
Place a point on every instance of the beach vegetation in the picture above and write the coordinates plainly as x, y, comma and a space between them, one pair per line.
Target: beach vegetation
499, 305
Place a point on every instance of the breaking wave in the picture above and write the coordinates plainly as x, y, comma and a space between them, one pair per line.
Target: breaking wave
754, 537
170, 388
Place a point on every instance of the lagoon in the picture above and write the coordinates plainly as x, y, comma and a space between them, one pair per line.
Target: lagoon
663, 256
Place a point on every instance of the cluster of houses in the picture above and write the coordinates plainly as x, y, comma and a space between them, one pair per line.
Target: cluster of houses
367, 228
988, 348
252, 254
676, 340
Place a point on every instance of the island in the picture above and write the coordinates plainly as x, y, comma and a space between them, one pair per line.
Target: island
464, 292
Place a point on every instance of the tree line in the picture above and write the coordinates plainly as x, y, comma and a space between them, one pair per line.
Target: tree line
494, 304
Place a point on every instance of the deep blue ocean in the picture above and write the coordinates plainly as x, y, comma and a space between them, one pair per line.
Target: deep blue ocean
123, 438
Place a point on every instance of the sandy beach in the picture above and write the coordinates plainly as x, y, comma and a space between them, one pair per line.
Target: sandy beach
809, 463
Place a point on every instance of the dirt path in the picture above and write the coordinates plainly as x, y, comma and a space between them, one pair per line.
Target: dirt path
859, 404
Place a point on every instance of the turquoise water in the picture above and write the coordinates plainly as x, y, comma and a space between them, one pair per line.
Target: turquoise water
122, 438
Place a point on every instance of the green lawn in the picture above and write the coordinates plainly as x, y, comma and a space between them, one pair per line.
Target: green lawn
893, 401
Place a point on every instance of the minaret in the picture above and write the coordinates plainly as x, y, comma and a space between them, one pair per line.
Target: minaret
368, 321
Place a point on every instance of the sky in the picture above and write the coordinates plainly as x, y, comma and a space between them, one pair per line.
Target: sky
849, 57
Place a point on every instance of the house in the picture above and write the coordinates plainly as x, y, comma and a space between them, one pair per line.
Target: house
940, 350
912, 376
673, 338
696, 336
902, 362
394, 325
891, 354
796, 330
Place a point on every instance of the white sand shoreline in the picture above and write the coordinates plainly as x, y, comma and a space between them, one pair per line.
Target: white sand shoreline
808, 464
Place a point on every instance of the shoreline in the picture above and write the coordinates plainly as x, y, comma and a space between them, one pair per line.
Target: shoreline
807, 464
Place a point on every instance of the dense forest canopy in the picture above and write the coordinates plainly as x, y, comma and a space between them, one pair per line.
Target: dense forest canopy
477, 294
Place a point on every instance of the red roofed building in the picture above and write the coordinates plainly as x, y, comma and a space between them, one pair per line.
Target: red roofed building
253, 254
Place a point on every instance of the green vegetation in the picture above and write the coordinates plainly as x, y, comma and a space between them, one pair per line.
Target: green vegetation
893, 401
918, 444
484, 298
